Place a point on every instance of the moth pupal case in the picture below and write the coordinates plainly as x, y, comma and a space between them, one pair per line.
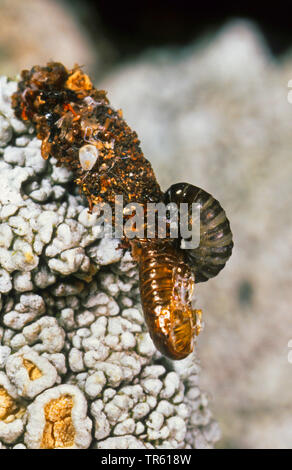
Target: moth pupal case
88, 154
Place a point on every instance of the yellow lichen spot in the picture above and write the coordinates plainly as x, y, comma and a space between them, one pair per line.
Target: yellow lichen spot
33, 372
9, 408
6, 404
29, 257
59, 431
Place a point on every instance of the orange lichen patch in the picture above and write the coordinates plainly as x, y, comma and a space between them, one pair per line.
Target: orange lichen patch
33, 371
9, 408
6, 404
59, 431
78, 81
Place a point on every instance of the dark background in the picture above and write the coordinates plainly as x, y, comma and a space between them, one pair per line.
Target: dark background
133, 26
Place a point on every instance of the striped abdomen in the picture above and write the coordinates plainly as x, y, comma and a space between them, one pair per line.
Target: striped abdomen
166, 286
216, 243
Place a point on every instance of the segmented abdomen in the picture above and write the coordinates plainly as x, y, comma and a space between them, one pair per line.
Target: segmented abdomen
166, 286
216, 243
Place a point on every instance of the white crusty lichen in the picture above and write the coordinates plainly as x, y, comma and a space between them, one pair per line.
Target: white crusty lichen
77, 366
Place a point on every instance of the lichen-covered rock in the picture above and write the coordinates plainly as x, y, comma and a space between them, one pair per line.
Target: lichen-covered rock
58, 419
12, 411
78, 367
30, 372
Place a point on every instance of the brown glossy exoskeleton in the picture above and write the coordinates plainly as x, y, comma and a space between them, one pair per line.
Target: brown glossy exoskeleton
166, 287
216, 243
83, 132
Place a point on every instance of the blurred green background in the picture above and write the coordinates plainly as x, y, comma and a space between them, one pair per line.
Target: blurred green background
207, 93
